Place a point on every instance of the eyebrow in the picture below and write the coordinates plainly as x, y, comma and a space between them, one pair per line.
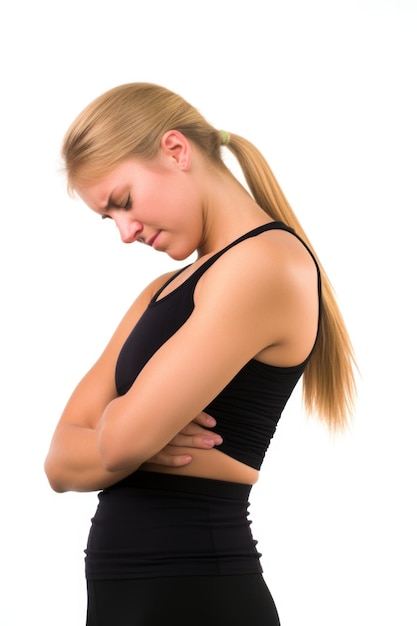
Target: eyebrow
111, 203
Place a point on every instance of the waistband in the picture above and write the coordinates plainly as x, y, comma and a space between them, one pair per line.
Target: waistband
187, 484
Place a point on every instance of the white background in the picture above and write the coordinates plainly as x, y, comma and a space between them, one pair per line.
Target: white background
327, 90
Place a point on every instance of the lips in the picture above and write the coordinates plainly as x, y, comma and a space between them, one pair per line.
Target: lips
152, 239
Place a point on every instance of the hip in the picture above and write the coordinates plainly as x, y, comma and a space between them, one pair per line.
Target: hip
154, 524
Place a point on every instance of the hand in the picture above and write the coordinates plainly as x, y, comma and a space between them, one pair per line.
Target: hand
193, 435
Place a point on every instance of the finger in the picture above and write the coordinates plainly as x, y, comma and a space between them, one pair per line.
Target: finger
205, 441
204, 419
168, 460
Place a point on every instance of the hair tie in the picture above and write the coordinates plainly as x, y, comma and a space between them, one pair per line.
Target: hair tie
224, 138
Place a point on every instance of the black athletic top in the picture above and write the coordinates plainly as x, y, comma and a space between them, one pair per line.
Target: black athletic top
249, 407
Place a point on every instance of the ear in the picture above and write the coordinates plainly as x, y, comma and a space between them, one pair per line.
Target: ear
177, 147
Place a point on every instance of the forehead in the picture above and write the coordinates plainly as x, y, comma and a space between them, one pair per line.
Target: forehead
120, 172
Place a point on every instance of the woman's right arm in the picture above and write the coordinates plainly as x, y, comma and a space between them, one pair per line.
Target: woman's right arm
73, 462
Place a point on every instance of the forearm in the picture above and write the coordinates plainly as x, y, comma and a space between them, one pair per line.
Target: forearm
74, 463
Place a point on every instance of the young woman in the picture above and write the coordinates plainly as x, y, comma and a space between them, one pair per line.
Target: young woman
222, 342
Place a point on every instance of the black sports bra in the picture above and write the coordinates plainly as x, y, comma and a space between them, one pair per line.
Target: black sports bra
247, 410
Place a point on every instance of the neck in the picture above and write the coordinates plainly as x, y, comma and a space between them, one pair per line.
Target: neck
229, 211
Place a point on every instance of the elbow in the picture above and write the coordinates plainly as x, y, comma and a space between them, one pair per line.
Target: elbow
113, 465
108, 451
111, 462
54, 480
57, 487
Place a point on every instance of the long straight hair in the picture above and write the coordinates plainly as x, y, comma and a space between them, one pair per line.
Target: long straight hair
129, 121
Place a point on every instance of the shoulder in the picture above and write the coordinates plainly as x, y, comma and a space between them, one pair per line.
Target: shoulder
265, 285
268, 264
143, 299
158, 283
145, 296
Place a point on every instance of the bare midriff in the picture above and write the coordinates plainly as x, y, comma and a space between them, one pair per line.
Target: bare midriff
211, 464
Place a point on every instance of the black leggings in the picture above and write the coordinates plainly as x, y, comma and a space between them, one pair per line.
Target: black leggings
242, 600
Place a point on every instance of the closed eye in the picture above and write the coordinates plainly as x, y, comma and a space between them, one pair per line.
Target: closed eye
111, 203
127, 205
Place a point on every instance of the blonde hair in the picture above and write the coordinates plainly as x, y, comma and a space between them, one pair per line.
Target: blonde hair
129, 121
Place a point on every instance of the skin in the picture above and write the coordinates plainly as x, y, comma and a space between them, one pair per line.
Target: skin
259, 300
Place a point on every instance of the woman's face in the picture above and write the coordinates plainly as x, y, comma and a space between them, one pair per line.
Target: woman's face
156, 203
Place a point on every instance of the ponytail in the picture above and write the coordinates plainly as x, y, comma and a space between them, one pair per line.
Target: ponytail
328, 380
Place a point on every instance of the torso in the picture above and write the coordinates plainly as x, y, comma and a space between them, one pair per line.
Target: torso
214, 464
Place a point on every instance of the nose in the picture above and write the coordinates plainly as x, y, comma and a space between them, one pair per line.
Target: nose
129, 230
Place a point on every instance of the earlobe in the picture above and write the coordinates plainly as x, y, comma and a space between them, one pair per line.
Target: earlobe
176, 145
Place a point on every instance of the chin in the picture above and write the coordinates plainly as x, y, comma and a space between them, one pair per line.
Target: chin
177, 256
180, 255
